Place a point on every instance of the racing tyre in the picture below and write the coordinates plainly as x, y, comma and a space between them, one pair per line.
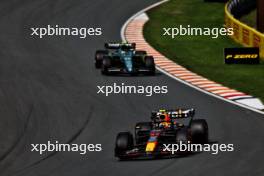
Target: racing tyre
199, 131
106, 64
142, 130
124, 142
138, 62
133, 46
99, 54
183, 136
140, 53
150, 64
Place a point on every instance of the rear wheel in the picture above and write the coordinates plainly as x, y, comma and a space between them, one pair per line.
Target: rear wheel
150, 64
133, 45
106, 64
199, 131
140, 52
99, 54
124, 142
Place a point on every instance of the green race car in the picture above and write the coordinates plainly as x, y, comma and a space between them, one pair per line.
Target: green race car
124, 58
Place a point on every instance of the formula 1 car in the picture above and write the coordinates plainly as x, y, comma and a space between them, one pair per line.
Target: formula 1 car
166, 127
124, 58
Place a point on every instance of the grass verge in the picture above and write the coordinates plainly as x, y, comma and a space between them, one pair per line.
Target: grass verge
201, 54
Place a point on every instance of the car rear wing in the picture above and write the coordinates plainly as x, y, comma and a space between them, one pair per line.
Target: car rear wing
112, 45
120, 45
183, 113
174, 114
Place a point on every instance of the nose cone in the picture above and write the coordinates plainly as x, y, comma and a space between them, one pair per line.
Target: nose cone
150, 146
128, 63
129, 69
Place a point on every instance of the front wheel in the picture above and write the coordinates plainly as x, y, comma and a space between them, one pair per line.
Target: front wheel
124, 142
150, 64
99, 54
199, 131
106, 63
183, 138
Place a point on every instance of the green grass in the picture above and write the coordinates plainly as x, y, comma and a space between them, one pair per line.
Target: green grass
202, 55
250, 19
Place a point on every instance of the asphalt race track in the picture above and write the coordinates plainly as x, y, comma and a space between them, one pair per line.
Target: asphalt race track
48, 91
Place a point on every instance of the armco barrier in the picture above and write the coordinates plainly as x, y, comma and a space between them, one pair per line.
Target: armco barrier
244, 34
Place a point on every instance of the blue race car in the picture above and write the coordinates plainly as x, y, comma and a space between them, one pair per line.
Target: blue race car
166, 127
124, 58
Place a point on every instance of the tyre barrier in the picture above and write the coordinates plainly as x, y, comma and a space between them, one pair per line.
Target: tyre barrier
243, 34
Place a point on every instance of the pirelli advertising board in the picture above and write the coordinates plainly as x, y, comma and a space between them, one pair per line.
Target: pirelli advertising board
241, 55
